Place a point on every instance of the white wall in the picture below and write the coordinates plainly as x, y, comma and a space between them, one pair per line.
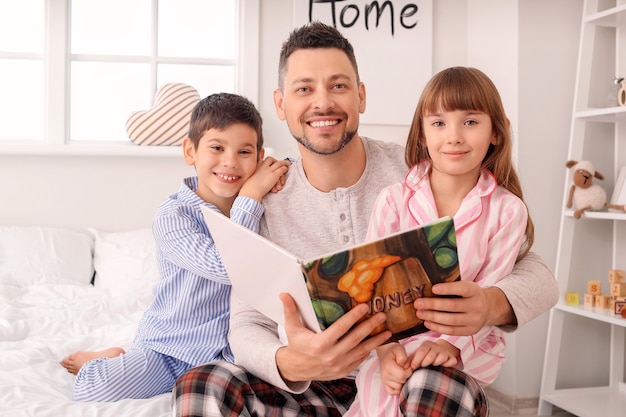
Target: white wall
528, 47
107, 193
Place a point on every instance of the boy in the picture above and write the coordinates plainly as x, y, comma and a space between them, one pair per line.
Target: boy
187, 323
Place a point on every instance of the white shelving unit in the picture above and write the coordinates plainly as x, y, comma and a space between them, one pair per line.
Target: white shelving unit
584, 362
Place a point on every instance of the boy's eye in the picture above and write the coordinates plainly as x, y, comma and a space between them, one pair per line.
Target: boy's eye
245, 152
216, 148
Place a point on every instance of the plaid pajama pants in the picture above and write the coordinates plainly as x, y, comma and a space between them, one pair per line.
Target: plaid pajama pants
224, 389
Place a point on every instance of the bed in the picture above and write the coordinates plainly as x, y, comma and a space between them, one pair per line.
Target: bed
61, 291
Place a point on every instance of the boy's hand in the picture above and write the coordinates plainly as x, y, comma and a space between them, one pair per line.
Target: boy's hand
269, 175
437, 353
394, 367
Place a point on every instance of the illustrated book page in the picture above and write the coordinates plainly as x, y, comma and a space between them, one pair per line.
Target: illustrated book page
387, 274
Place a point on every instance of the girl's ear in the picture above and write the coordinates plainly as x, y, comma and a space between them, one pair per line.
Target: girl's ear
189, 152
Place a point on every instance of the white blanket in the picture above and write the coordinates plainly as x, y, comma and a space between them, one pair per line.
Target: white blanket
42, 323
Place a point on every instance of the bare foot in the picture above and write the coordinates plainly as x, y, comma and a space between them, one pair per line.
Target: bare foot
76, 360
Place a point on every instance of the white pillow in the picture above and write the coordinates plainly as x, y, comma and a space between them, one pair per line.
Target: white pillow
33, 254
125, 261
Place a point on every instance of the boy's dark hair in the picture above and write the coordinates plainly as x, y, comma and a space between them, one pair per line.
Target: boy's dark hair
310, 36
220, 110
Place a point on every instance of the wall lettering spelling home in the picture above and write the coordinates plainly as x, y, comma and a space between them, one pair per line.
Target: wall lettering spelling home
392, 40
370, 13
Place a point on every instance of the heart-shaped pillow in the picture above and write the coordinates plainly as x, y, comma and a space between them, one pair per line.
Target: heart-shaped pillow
167, 122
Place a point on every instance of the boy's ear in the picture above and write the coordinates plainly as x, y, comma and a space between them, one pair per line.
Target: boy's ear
189, 152
261, 154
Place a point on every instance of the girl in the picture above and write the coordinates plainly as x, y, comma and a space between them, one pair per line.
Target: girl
459, 148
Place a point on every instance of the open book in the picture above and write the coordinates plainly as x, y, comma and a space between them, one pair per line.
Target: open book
388, 274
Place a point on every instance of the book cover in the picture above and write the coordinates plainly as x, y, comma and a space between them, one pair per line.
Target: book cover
388, 274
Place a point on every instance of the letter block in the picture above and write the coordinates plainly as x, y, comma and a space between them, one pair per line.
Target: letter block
590, 300
572, 298
617, 275
618, 307
603, 301
618, 289
594, 287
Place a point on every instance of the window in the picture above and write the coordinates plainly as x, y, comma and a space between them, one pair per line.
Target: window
74, 70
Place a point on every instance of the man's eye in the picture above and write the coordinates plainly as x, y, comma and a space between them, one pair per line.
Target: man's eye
339, 86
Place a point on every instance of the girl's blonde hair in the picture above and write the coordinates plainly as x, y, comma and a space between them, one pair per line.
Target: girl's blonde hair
462, 88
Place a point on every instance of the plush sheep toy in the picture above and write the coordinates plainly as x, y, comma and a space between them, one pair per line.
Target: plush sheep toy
584, 193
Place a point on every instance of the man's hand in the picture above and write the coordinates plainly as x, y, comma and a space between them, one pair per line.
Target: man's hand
477, 307
332, 354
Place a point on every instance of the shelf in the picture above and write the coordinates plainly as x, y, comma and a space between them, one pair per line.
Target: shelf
590, 402
606, 114
605, 315
599, 214
606, 17
601, 50
92, 149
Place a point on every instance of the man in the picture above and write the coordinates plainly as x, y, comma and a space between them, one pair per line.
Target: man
325, 205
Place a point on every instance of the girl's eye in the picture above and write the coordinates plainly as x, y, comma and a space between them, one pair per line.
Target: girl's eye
437, 123
471, 122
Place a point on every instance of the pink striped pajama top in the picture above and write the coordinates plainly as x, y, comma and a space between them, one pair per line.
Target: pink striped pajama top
490, 226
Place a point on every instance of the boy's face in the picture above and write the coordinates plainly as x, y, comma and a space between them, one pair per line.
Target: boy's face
224, 160
321, 99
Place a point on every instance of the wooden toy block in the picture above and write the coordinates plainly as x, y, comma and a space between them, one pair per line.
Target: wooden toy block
590, 300
572, 298
618, 307
594, 287
618, 289
617, 275
603, 301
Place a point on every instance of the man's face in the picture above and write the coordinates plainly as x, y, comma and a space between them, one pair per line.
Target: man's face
321, 99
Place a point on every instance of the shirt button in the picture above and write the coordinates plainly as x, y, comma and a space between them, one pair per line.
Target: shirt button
342, 216
346, 238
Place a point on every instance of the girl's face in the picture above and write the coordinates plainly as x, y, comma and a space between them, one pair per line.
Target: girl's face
224, 160
458, 141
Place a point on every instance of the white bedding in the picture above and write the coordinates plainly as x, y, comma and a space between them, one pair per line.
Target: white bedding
45, 317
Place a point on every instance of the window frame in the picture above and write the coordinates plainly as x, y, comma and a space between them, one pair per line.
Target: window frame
57, 60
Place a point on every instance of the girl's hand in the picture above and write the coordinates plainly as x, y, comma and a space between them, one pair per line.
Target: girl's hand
394, 367
437, 353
